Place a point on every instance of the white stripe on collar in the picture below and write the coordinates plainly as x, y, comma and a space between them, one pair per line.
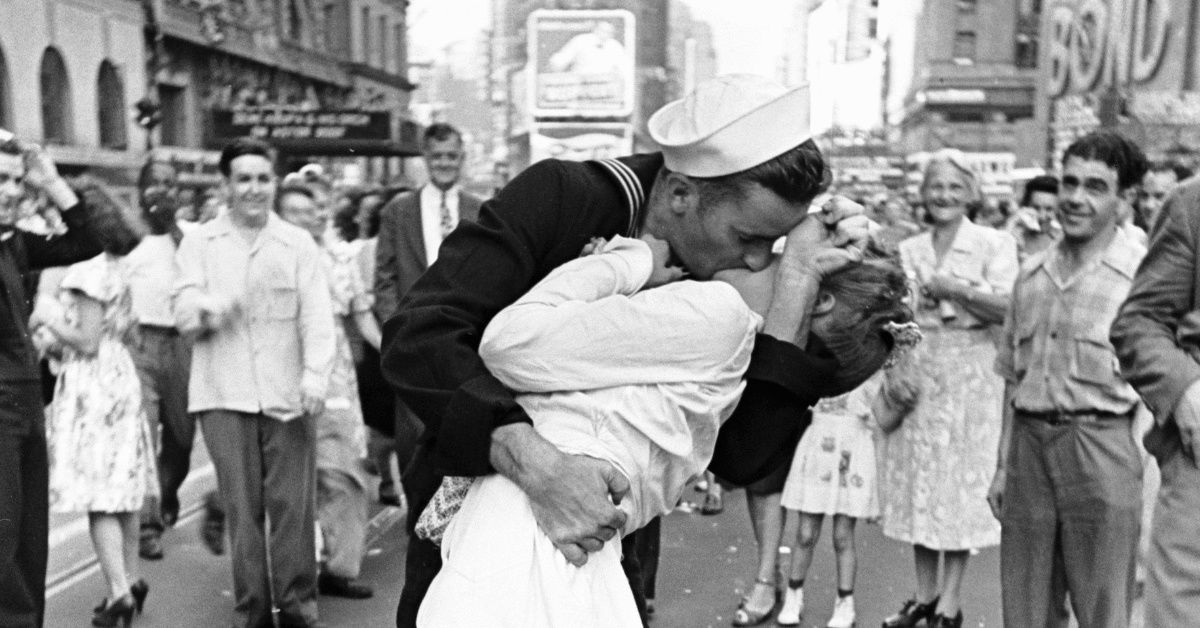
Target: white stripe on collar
634, 194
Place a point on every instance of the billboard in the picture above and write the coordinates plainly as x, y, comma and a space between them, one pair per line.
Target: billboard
581, 63
580, 141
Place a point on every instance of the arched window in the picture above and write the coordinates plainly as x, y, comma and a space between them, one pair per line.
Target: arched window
110, 94
56, 99
5, 100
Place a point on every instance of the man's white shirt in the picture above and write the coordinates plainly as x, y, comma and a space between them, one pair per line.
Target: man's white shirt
431, 217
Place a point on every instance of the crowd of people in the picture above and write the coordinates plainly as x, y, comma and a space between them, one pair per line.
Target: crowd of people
537, 378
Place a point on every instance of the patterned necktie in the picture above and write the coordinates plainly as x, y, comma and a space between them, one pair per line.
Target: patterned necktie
447, 219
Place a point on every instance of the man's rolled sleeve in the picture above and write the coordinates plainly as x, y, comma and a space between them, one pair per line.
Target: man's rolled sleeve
1005, 366
1155, 323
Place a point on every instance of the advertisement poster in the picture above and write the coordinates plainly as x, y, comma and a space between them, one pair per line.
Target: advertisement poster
580, 141
582, 63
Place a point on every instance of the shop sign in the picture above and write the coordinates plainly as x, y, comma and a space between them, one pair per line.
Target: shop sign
581, 63
1100, 43
580, 141
274, 124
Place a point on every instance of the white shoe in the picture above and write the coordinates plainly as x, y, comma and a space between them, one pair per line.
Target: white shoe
793, 606
843, 613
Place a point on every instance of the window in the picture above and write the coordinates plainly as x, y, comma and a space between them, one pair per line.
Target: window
294, 21
173, 129
110, 94
383, 37
56, 99
1027, 50
327, 23
5, 103
964, 47
364, 29
398, 38
967, 7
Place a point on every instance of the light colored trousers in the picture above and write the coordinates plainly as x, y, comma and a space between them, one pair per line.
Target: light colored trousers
1070, 519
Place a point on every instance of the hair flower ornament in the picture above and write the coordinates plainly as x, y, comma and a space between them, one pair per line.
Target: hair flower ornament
905, 336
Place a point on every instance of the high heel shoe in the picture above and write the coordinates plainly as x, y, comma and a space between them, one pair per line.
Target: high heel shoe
119, 611
941, 621
913, 613
745, 616
139, 590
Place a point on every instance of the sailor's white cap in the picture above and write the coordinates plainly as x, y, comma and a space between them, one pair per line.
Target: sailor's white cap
729, 124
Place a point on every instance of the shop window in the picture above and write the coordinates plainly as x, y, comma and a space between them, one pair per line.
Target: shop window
964, 47
110, 92
56, 99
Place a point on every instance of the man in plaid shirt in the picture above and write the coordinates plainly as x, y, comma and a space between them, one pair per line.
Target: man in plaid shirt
1067, 489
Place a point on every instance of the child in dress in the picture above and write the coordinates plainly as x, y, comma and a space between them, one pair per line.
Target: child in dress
640, 378
833, 474
100, 448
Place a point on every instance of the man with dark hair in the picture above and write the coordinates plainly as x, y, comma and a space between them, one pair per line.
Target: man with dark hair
1157, 184
738, 170
251, 291
1034, 226
1157, 336
160, 353
24, 474
411, 229
1067, 488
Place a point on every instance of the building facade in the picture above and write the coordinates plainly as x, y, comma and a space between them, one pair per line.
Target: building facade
72, 73
1139, 74
69, 75
962, 74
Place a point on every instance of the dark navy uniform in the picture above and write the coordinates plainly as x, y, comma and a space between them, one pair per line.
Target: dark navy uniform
539, 221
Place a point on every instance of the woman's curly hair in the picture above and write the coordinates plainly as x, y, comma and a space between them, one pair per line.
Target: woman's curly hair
871, 294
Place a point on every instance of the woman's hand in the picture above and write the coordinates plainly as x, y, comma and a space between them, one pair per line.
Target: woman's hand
995, 495
661, 272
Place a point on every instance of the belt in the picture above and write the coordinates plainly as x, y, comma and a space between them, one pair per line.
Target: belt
164, 330
1065, 417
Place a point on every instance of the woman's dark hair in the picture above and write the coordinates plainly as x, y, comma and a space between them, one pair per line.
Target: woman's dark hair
798, 176
876, 290
1115, 151
242, 146
1042, 183
375, 210
344, 221
117, 228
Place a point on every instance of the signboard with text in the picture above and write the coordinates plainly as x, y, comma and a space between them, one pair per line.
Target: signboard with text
579, 142
581, 63
282, 124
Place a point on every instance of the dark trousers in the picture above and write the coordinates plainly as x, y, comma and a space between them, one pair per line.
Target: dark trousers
424, 559
648, 545
24, 505
163, 360
266, 470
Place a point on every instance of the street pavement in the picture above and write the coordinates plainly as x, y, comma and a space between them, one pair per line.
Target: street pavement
708, 563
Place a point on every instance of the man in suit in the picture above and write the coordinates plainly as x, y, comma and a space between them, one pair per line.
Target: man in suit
1157, 337
411, 229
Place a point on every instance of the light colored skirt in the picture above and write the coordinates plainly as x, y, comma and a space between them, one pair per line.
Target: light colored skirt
833, 470
500, 570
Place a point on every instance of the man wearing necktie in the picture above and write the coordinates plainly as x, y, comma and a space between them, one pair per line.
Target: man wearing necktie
411, 229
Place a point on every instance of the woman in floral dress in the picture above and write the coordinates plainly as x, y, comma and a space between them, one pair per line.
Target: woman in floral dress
101, 452
937, 466
341, 435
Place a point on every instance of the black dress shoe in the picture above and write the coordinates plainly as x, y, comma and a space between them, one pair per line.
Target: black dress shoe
912, 614
337, 586
115, 613
389, 499
212, 530
150, 545
941, 621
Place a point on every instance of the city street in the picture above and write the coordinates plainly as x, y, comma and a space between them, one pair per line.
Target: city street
707, 563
